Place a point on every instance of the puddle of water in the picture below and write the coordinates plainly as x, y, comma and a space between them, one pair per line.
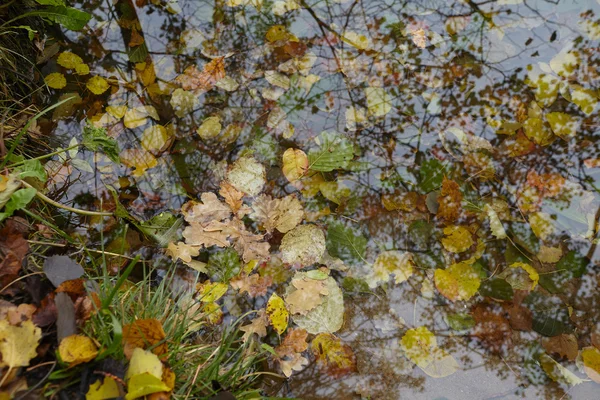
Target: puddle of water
481, 115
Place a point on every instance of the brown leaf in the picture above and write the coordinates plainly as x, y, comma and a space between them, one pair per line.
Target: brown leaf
13, 249
232, 196
306, 296
197, 235
144, 333
334, 356
193, 79
491, 326
258, 325
255, 285
564, 345
289, 351
281, 214
209, 210
450, 200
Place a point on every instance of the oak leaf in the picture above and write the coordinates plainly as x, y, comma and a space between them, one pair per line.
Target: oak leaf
289, 351
257, 325
307, 295
255, 285
144, 333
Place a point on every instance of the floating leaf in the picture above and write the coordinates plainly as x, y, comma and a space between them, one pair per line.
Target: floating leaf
420, 346
563, 125
305, 293
400, 264
69, 60
457, 282
289, 351
183, 102
77, 349
97, 85
55, 80
295, 164
247, 175
591, 362
326, 317
193, 79
343, 242
281, 214
18, 344
139, 159
334, 152
458, 239
334, 356
586, 99
557, 372
155, 139
97, 139
379, 102
304, 245
495, 224
278, 313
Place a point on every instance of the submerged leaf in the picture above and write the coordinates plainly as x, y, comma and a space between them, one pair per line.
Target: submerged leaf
334, 356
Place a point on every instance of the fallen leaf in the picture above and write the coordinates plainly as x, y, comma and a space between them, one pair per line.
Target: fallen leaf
55, 80
557, 372
18, 344
304, 294
400, 264
420, 346
450, 200
97, 85
289, 351
334, 356
295, 164
281, 214
103, 389
193, 79
458, 239
565, 345
77, 349
327, 316
144, 333
277, 313
305, 245
457, 282
232, 196
255, 285
247, 175
68, 60
257, 325
141, 385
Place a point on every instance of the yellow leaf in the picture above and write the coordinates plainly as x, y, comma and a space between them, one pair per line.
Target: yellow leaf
541, 224
155, 138
103, 390
77, 349
135, 117
97, 85
337, 358
359, 41
69, 60
144, 384
591, 362
533, 274
117, 111
210, 128
420, 347
210, 292
458, 239
278, 314
213, 312
82, 69
276, 33
18, 343
56, 80
144, 333
400, 264
144, 361
295, 164
139, 159
457, 282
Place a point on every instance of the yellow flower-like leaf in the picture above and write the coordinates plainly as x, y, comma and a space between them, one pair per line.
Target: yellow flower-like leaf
278, 314
77, 349
97, 85
55, 80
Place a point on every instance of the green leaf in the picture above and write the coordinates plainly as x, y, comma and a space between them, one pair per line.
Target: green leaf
345, 243
334, 152
550, 315
224, 265
431, 174
32, 169
572, 265
68, 17
51, 2
18, 200
163, 228
497, 289
460, 322
96, 139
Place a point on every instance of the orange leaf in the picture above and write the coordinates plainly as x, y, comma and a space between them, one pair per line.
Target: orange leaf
144, 333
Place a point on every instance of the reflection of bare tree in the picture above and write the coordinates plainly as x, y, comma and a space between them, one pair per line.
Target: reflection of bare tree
475, 79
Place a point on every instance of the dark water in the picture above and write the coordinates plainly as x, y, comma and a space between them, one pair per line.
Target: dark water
497, 96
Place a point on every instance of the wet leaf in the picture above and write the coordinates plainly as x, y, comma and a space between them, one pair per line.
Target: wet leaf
458, 239
564, 345
326, 317
334, 356
304, 245
295, 164
255, 285
55, 80
420, 346
563, 125
458, 281
97, 85
247, 175
209, 292
103, 389
586, 99
139, 159
193, 79
305, 294
289, 351
77, 349
379, 102
495, 224
69, 60
258, 325
18, 344
143, 334
334, 152
278, 313
557, 372
449, 200
400, 264
97, 139
281, 214
431, 173
155, 139
591, 362
534, 276
343, 242
183, 102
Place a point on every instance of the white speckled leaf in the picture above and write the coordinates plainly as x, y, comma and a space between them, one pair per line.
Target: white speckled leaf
305, 244
247, 175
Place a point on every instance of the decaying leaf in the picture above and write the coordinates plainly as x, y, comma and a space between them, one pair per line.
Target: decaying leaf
247, 175
255, 285
295, 164
281, 214
458, 239
306, 294
289, 351
334, 356
258, 325
305, 245
193, 79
